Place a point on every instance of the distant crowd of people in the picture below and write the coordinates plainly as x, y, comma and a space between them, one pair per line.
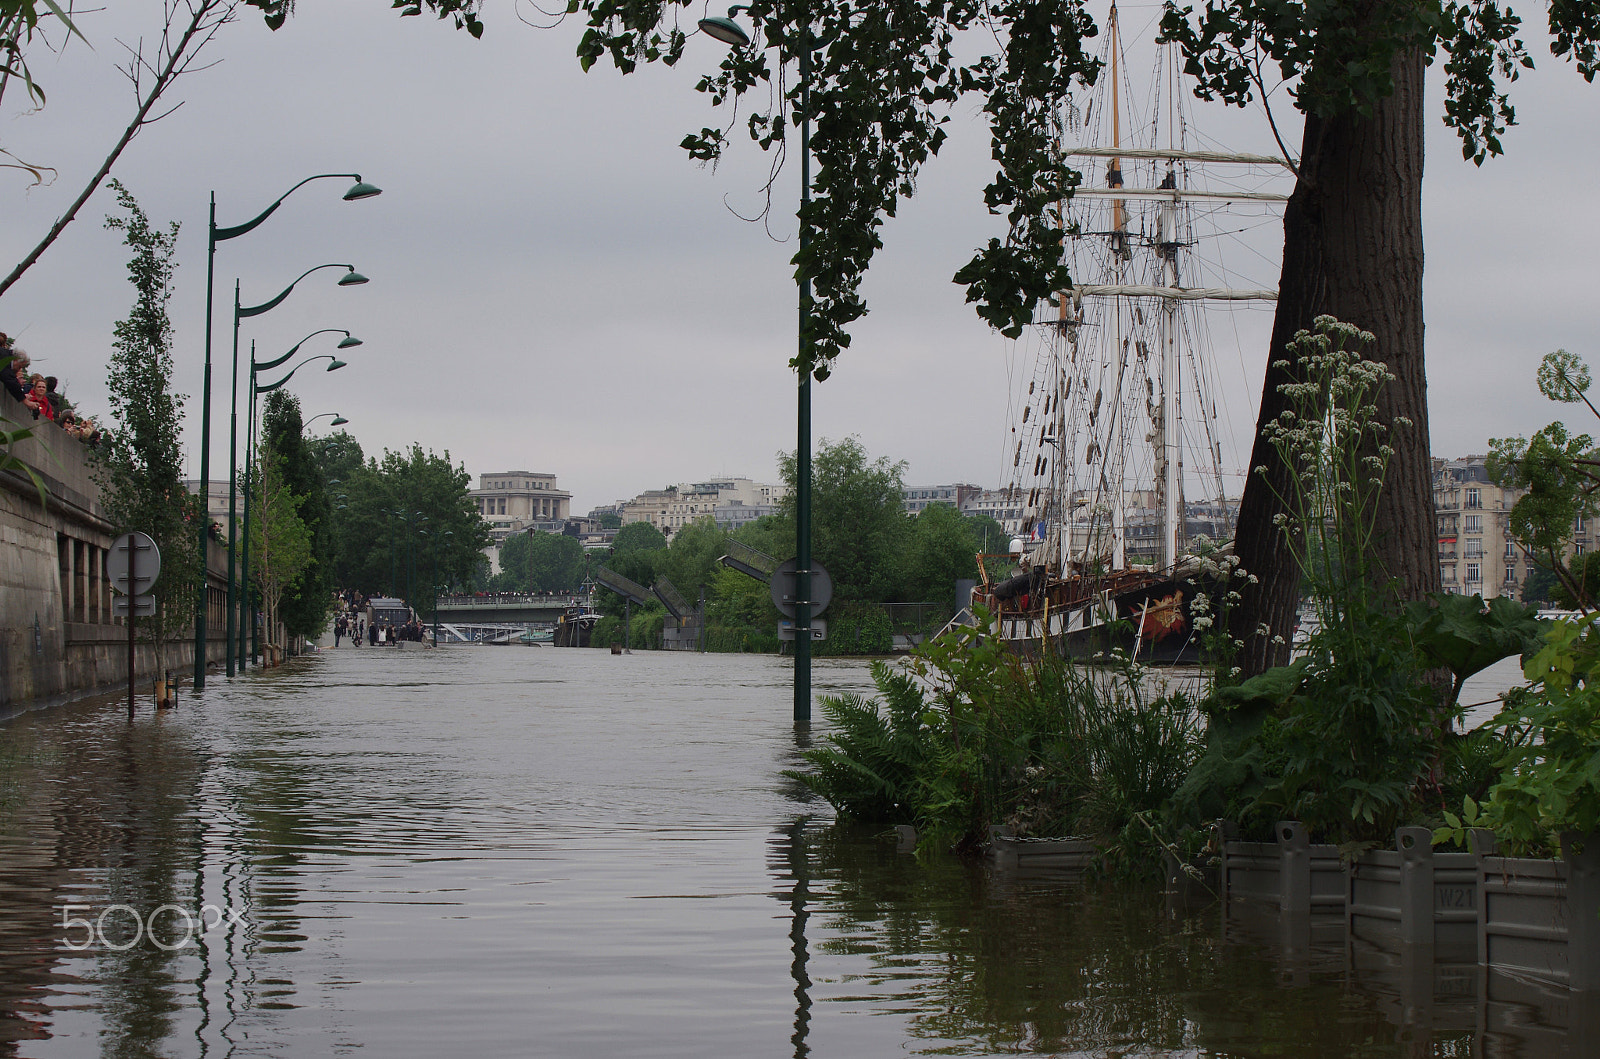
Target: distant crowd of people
40, 395
352, 622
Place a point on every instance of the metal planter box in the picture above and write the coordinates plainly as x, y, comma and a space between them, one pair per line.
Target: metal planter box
1541, 918
1006, 850
1290, 873
1414, 896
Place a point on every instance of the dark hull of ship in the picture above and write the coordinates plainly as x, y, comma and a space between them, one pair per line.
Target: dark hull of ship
575, 627
1146, 617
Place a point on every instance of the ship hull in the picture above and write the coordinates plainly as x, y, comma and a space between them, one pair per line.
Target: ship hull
1149, 619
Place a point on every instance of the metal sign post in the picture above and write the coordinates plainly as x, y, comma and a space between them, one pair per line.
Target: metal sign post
133, 564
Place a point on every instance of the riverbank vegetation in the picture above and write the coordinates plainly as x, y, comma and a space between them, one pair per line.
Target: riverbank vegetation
893, 573
1362, 732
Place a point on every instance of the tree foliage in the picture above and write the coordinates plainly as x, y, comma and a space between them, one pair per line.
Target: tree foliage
374, 546
884, 80
142, 468
539, 562
305, 597
1342, 54
858, 522
1559, 473
280, 542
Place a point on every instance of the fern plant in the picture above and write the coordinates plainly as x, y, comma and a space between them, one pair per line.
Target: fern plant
872, 766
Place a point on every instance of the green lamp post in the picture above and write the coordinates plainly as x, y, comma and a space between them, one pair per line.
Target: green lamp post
214, 235
731, 33
351, 278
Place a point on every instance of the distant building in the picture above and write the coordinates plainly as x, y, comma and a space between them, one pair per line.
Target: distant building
513, 501
1005, 506
914, 498
732, 502
1476, 553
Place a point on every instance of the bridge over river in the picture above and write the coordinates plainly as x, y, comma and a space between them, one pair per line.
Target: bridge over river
504, 608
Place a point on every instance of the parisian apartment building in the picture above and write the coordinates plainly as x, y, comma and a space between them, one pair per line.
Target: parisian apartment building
732, 502
1476, 553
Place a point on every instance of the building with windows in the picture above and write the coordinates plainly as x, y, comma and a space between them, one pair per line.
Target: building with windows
916, 497
732, 502
513, 501
1477, 555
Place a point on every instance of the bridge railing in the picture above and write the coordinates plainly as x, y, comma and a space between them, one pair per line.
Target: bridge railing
489, 599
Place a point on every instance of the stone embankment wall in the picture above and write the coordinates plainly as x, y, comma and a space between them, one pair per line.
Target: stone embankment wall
58, 640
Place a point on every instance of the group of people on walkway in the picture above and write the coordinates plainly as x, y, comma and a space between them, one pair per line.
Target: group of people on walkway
39, 395
374, 633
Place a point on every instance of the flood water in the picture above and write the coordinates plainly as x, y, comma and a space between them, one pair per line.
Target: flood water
532, 851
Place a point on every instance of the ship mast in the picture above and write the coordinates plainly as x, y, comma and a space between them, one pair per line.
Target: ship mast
1170, 458
1116, 481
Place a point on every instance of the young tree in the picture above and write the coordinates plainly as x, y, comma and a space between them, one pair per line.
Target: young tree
306, 598
280, 543
142, 468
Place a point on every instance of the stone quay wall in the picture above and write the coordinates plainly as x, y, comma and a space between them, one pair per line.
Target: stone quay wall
58, 640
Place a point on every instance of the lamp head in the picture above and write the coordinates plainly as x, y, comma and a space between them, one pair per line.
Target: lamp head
339, 421
362, 190
352, 279
726, 30
336, 364
347, 342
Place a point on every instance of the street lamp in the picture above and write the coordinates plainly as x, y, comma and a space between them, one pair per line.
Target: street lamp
249, 457
731, 33
351, 278
338, 421
214, 235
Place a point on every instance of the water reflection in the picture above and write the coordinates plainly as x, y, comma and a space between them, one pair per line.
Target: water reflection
558, 853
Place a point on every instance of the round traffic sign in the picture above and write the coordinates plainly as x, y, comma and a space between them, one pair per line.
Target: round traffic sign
133, 564
783, 588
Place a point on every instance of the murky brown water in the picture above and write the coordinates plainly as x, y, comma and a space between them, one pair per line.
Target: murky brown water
516, 851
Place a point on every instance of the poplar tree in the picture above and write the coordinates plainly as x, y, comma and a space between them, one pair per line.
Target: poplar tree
141, 469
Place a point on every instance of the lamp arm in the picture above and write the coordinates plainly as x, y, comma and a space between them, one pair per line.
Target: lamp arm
269, 365
219, 235
257, 310
309, 360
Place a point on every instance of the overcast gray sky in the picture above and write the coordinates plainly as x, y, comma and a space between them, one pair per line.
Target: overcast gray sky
555, 287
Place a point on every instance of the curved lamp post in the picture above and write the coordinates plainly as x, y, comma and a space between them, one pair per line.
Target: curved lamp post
731, 33
338, 421
351, 278
249, 455
214, 235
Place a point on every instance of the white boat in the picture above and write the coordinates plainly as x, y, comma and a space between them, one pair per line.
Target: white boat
1115, 445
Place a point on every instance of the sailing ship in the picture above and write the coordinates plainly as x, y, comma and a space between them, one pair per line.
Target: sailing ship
1116, 437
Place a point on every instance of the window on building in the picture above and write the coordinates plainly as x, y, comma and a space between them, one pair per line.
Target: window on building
1474, 573
1511, 552
1472, 524
1472, 499
1474, 547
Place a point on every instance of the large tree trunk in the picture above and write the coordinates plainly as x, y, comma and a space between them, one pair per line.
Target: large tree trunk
1352, 249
